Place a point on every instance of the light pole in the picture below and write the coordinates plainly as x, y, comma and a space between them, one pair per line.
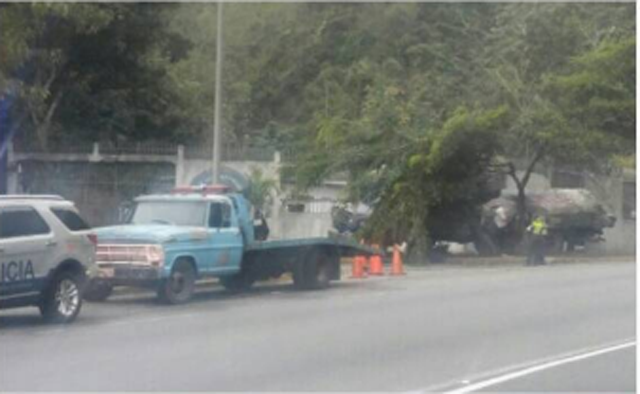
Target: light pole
215, 168
4, 142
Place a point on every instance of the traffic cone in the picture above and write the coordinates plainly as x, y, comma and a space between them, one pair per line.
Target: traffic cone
375, 264
396, 262
365, 261
357, 267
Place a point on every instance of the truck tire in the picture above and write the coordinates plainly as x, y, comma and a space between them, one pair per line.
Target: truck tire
314, 271
98, 291
237, 283
179, 287
62, 300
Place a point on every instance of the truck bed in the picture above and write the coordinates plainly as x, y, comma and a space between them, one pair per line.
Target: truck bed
265, 259
346, 247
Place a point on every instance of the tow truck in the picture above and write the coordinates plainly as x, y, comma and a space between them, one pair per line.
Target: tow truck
172, 240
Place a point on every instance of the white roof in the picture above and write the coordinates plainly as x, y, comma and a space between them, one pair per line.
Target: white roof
184, 197
33, 199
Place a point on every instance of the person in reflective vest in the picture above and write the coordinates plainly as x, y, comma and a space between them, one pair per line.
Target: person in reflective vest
537, 232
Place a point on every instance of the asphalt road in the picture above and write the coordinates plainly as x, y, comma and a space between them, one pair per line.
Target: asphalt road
438, 329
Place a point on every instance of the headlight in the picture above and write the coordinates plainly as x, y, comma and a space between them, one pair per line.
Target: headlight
155, 255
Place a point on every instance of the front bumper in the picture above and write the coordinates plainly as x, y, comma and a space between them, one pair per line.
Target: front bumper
128, 274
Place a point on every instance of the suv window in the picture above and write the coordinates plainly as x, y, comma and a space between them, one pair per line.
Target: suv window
20, 222
70, 218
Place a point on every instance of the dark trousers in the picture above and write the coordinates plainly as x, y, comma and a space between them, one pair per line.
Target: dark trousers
535, 253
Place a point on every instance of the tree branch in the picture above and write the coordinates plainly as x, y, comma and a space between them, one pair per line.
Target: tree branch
52, 108
511, 171
536, 158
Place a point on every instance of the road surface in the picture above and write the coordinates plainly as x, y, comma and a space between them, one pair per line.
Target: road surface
440, 329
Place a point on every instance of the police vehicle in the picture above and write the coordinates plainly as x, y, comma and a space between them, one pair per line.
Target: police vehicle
47, 254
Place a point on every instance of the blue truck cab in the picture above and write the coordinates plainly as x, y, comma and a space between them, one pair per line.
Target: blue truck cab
172, 240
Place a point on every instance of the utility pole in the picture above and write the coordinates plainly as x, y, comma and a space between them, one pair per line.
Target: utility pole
215, 168
4, 141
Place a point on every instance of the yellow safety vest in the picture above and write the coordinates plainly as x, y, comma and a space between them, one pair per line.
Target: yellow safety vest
539, 227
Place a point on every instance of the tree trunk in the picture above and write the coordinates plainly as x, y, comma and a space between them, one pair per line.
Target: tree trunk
418, 245
521, 208
43, 126
522, 216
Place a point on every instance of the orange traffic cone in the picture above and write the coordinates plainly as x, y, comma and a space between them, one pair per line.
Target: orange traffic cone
365, 261
375, 264
396, 262
357, 267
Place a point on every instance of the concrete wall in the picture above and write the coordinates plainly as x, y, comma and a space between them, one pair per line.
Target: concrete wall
290, 225
316, 219
620, 239
189, 169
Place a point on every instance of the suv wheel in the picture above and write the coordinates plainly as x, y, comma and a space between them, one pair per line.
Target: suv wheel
180, 285
62, 301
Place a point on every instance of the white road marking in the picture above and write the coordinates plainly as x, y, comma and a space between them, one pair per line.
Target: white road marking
540, 367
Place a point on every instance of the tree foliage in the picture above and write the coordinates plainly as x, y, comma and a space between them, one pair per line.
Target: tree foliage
444, 178
260, 190
85, 71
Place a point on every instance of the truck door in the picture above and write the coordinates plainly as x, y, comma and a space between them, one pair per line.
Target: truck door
25, 243
226, 238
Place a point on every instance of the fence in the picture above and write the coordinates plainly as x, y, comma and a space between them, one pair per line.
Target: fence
231, 153
202, 152
97, 189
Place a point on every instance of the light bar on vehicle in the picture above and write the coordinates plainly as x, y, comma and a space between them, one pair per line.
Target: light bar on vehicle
204, 189
31, 197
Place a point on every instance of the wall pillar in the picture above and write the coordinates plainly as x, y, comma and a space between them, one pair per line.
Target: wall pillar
95, 154
179, 178
275, 222
13, 171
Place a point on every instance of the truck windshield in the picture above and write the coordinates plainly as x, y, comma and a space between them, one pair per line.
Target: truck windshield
178, 213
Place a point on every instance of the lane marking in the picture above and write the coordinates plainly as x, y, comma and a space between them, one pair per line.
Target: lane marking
540, 367
443, 387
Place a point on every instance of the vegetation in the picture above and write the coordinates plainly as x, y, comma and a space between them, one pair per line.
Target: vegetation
419, 105
261, 190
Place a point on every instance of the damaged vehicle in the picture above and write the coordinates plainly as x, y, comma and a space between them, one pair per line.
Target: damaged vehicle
575, 218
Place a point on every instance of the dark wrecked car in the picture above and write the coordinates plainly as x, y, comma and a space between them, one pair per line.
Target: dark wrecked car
575, 218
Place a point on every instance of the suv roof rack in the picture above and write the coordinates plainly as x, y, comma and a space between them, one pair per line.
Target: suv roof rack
31, 197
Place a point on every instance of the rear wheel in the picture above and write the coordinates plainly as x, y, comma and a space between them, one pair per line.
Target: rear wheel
178, 288
238, 282
62, 301
315, 270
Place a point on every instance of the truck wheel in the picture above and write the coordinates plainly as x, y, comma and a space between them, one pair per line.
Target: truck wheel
178, 288
314, 271
62, 301
237, 283
98, 291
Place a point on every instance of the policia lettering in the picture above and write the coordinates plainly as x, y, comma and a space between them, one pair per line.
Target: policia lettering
16, 271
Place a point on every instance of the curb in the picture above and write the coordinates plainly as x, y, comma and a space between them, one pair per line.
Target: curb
451, 262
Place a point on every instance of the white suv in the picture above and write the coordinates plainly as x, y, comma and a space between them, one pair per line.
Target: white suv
47, 255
